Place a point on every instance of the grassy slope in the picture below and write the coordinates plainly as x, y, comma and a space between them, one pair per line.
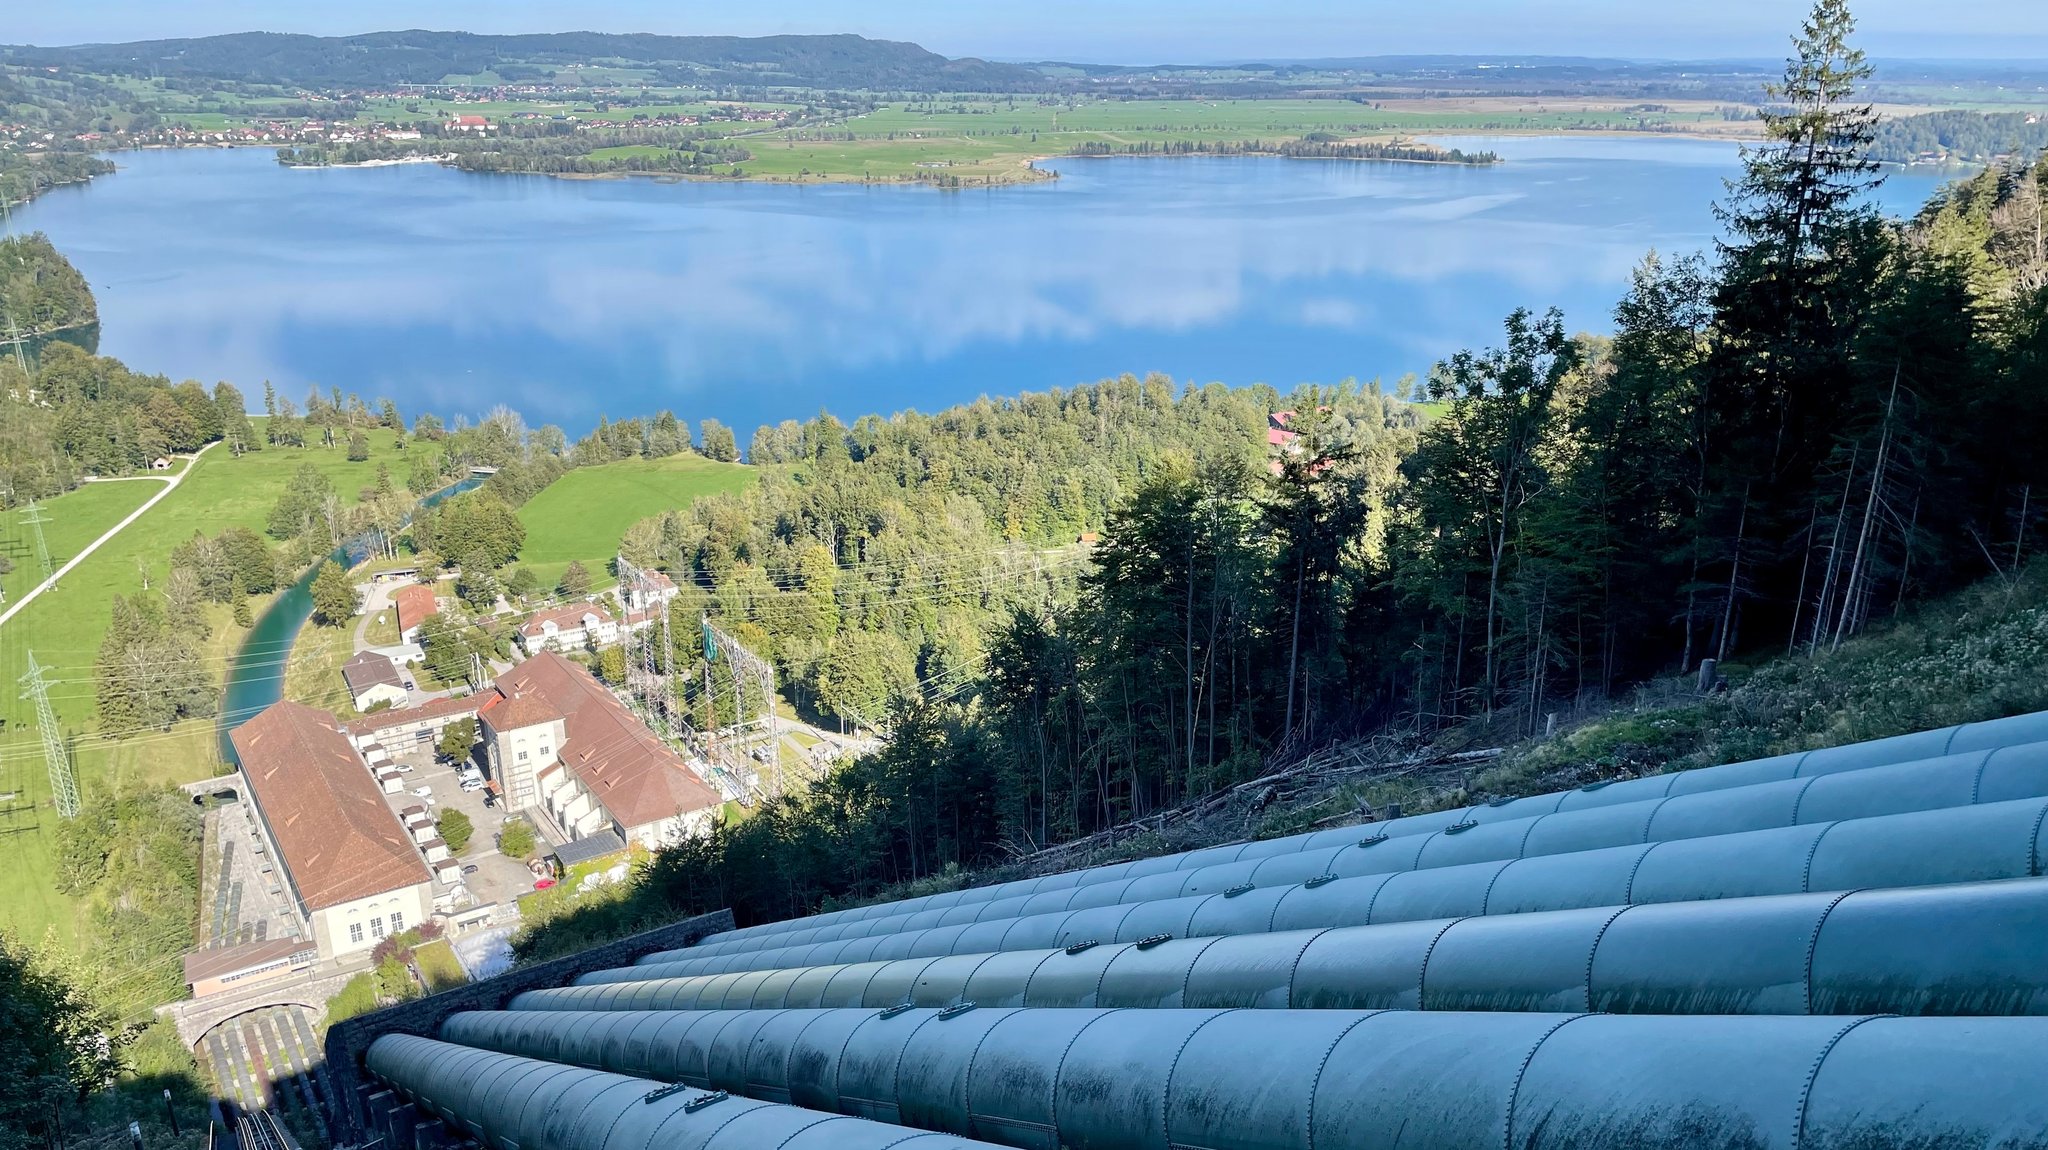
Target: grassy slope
584, 514
64, 627
76, 518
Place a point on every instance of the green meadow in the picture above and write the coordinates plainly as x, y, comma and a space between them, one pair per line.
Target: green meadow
65, 625
583, 515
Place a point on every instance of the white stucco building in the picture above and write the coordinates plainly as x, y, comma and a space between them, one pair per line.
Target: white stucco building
571, 627
561, 745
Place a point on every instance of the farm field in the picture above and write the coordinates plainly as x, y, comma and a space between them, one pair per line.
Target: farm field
584, 514
995, 139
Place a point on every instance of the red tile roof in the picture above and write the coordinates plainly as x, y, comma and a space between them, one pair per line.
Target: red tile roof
416, 604
637, 777
568, 617
511, 712
339, 840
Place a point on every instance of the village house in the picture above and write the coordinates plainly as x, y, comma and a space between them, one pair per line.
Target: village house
351, 868
566, 749
476, 124
571, 627
374, 679
415, 604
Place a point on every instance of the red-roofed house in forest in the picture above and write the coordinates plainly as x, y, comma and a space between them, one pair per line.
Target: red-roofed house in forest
468, 124
352, 869
564, 747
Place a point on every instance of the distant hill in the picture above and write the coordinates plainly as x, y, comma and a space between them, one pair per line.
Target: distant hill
421, 57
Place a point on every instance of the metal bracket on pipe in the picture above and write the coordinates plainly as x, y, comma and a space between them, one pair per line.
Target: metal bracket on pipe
664, 1092
703, 1100
1502, 801
1150, 941
899, 1008
1240, 888
1461, 828
1319, 880
955, 1010
1374, 840
1081, 946
1596, 786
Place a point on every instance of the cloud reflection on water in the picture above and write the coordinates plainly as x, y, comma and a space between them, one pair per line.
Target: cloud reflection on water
754, 303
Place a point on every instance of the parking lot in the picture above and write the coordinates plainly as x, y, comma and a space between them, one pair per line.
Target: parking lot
497, 879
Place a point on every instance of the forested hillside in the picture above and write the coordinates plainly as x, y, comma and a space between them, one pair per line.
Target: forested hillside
40, 291
24, 176
1962, 136
423, 57
1825, 419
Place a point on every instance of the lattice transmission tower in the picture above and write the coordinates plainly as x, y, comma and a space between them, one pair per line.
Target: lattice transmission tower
63, 785
32, 516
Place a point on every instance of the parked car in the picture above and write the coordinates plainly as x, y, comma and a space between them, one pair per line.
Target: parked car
543, 883
425, 791
469, 785
470, 869
403, 768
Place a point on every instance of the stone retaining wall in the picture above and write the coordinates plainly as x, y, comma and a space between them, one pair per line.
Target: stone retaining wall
348, 1041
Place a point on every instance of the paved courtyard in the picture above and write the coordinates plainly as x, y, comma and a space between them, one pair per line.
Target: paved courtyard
498, 879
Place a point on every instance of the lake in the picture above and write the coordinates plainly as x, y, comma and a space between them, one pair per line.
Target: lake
751, 303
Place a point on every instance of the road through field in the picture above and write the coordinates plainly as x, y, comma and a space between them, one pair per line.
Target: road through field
170, 484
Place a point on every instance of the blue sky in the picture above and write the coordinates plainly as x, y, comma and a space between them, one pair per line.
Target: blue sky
1126, 31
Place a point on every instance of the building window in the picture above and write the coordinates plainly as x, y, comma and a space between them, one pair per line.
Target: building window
544, 749
377, 928
522, 756
355, 932
397, 922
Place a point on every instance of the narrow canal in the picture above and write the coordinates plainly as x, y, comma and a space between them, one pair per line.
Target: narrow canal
256, 676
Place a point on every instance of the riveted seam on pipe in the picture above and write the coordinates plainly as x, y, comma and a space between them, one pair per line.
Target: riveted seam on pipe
1813, 1073
1059, 1068
1294, 970
1166, 1094
1422, 971
2034, 844
618, 1116
1315, 1083
1371, 904
1813, 850
967, 1072
1799, 799
1507, 1129
1628, 892
822, 1119
1984, 764
1491, 882
1813, 945
1593, 951
1649, 819
1522, 848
